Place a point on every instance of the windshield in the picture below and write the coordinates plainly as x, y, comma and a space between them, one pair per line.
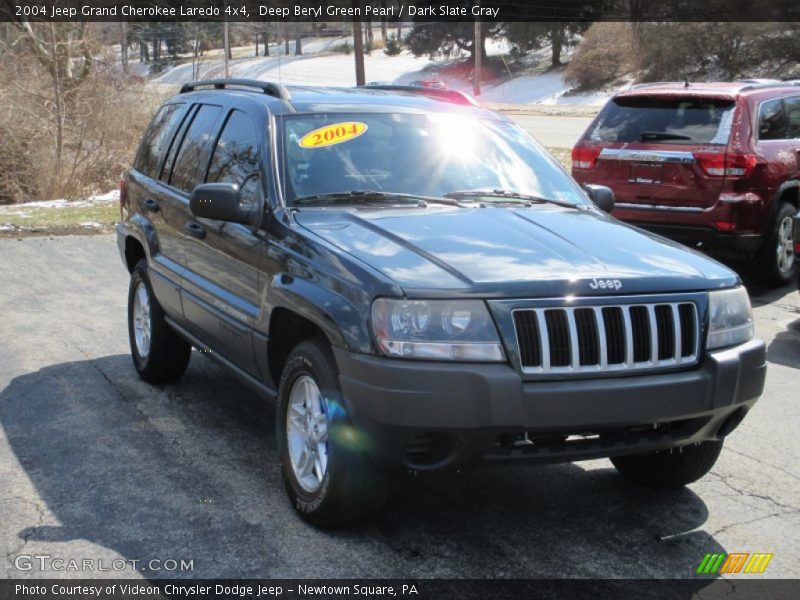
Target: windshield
664, 120
420, 154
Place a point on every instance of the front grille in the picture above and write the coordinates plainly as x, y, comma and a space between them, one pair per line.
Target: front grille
597, 339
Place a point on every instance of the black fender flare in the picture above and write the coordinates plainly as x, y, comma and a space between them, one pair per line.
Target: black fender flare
142, 230
338, 318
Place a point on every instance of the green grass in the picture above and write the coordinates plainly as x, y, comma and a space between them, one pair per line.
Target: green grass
62, 219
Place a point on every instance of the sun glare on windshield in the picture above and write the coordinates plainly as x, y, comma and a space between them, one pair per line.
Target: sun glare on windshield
455, 135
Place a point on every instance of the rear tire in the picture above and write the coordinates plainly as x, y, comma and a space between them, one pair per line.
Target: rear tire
159, 354
672, 468
329, 479
775, 263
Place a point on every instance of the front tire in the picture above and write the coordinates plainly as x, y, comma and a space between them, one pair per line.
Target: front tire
159, 354
672, 468
775, 262
328, 478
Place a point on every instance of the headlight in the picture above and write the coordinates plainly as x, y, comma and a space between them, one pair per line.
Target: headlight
436, 330
730, 318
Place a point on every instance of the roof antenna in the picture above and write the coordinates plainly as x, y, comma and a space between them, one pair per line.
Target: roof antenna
685, 78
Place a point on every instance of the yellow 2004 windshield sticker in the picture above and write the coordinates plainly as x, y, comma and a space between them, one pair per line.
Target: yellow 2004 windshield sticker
336, 133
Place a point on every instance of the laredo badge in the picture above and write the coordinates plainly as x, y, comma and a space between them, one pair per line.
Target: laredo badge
336, 133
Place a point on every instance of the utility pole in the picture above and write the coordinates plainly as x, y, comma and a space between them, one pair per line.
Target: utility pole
477, 47
227, 48
358, 48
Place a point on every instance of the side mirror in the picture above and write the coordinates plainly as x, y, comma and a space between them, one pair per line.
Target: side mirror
601, 196
218, 201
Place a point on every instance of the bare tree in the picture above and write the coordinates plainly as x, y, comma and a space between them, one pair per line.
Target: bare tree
63, 49
123, 42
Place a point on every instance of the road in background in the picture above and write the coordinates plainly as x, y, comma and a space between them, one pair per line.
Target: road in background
96, 464
553, 131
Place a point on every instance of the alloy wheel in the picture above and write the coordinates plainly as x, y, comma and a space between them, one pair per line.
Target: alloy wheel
142, 325
785, 246
307, 433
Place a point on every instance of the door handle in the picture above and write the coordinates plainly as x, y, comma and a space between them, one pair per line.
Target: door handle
151, 205
194, 229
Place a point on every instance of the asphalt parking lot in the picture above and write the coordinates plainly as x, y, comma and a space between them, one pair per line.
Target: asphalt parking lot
95, 464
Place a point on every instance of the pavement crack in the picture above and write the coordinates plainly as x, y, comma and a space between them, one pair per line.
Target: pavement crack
96, 367
763, 462
750, 521
725, 481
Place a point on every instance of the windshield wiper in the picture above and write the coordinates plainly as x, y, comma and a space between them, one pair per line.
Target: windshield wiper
516, 197
370, 197
662, 135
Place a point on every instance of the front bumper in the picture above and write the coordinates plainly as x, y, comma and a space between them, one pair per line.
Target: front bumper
427, 415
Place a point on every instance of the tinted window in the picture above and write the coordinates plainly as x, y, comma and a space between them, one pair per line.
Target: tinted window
193, 155
792, 106
157, 138
665, 120
772, 121
236, 154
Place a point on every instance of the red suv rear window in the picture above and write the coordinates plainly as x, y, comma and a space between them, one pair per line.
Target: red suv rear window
682, 120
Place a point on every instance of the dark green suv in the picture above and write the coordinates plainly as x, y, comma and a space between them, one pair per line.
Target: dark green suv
417, 285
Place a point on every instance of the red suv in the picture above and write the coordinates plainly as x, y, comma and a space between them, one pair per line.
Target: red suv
712, 165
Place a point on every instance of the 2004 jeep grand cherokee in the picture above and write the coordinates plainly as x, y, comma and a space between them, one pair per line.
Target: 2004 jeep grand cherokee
418, 285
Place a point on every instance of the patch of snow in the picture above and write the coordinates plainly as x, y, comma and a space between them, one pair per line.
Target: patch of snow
7, 227
108, 197
546, 89
112, 196
91, 225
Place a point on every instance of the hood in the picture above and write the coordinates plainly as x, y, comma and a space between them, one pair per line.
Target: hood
543, 250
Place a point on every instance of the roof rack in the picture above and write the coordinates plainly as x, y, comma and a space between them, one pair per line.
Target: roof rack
772, 84
268, 87
760, 80
637, 86
453, 96
745, 84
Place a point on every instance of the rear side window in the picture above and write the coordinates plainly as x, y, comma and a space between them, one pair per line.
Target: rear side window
166, 170
665, 120
156, 140
236, 154
192, 158
773, 120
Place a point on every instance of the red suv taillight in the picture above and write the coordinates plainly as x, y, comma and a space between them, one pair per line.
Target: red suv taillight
721, 164
584, 157
123, 198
